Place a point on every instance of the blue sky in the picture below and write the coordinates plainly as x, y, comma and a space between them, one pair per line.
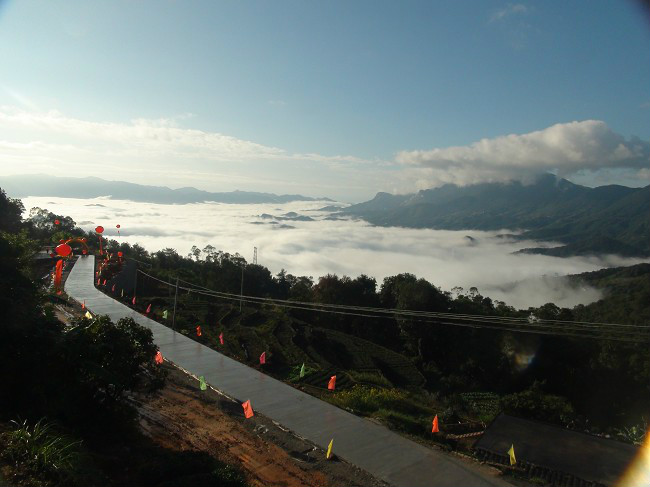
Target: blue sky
338, 98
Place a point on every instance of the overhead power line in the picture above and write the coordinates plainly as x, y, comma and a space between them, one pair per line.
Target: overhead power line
606, 331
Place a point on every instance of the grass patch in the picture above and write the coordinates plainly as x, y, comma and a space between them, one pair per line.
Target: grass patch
39, 452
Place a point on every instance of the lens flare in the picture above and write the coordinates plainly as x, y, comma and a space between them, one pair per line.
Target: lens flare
638, 473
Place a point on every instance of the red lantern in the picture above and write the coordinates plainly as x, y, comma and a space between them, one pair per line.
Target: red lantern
117, 226
119, 254
57, 222
63, 250
99, 229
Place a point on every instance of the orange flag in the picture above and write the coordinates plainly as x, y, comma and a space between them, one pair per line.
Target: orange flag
159, 357
198, 331
221, 338
148, 309
83, 305
248, 409
57, 276
263, 358
133, 300
332, 383
435, 428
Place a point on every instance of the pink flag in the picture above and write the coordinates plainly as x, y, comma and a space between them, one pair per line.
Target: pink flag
263, 358
148, 309
248, 409
133, 300
332, 383
221, 338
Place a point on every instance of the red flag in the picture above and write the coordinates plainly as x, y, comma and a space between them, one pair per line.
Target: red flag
113, 289
148, 309
248, 409
198, 331
104, 283
332, 383
263, 358
221, 338
133, 300
83, 305
159, 357
98, 281
435, 428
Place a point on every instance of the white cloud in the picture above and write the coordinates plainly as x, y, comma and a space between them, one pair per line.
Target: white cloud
162, 152
508, 11
565, 149
344, 247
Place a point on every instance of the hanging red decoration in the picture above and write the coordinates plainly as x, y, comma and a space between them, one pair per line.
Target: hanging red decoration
57, 222
120, 254
63, 250
99, 229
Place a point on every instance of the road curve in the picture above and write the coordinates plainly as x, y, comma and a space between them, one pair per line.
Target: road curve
373, 448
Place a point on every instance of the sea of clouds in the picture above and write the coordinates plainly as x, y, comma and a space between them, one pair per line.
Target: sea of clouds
343, 246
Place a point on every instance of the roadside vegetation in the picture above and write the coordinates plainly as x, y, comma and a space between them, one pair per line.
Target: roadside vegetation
64, 414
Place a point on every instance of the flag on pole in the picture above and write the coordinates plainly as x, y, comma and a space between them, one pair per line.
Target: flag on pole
159, 357
113, 288
263, 358
221, 338
511, 452
104, 283
302, 370
165, 314
148, 309
133, 300
198, 331
332, 383
202, 385
98, 281
435, 428
83, 305
88, 315
248, 409
329, 449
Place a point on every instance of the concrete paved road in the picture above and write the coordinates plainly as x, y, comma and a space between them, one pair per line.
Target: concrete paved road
374, 448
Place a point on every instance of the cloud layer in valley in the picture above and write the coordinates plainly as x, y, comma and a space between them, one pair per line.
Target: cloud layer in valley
564, 149
345, 247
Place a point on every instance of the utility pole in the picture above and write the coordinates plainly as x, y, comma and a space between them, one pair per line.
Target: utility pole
174, 313
241, 291
135, 280
254, 255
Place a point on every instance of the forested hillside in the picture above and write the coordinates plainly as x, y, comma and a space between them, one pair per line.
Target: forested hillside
607, 219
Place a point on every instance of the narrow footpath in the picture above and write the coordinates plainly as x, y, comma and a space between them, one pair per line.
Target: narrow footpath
371, 447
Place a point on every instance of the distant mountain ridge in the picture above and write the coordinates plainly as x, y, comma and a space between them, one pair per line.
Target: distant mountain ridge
91, 187
608, 219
